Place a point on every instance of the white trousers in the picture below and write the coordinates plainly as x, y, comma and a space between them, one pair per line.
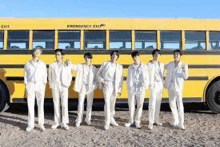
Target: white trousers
35, 90
176, 105
81, 99
155, 102
110, 98
60, 94
134, 97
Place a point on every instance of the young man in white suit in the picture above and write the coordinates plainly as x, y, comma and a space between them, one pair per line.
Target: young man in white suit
155, 68
137, 83
35, 79
110, 78
177, 71
59, 80
85, 84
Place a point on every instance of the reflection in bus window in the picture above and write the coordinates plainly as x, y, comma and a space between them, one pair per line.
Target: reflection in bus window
44, 39
195, 40
120, 40
94, 39
170, 40
145, 40
1, 39
214, 40
18, 40
69, 40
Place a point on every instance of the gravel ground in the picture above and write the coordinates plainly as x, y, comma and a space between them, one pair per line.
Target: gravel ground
202, 129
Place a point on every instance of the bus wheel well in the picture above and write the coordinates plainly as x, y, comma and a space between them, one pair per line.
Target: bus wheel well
4, 96
210, 84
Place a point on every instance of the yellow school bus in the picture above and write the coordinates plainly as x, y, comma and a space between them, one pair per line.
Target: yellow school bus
198, 38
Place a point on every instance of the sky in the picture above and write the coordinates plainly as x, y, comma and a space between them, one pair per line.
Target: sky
112, 8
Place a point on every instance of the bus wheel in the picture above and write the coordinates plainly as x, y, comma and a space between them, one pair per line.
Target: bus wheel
4, 97
213, 97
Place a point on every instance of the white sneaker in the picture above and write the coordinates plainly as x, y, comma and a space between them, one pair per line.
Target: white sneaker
113, 122
182, 127
42, 128
174, 124
106, 127
88, 122
150, 126
55, 126
138, 126
66, 127
29, 128
77, 124
128, 124
158, 124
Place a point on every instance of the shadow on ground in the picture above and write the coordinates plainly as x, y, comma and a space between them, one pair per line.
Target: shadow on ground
48, 107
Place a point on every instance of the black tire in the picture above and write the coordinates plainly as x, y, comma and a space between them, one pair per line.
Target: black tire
213, 97
4, 97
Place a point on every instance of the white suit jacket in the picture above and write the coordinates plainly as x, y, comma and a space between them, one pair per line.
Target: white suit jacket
143, 77
101, 75
35, 74
176, 73
92, 83
152, 72
65, 77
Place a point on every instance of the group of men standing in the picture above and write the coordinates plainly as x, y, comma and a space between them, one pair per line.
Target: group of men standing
109, 78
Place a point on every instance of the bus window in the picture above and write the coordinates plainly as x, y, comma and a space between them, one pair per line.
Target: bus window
94, 39
214, 40
145, 40
120, 40
44, 39
195, 40
1, 39
18, 40
69, 40
170, 40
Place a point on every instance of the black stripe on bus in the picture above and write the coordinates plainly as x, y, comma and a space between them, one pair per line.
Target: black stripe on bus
124, 78
118, 100
204, 66
103, 51
164, 100
124, 65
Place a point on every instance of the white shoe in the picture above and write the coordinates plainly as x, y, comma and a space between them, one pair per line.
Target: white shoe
158, 124
174, 124
88, 122
77, 124
106, 127
182, 127
55, 126
150, 126
138, 126
113, 122
66, 127
29, 128
128, 125
42, 128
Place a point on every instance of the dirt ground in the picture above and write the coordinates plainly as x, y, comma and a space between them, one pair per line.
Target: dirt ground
202, 129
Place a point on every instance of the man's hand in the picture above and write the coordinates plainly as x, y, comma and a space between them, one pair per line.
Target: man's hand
183, 67
67, 62
103, 83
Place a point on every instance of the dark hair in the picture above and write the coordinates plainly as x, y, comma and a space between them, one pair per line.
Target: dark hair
156, 50
178, 51
38, 47
89, 55
135, 53
60, 50
115, 51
